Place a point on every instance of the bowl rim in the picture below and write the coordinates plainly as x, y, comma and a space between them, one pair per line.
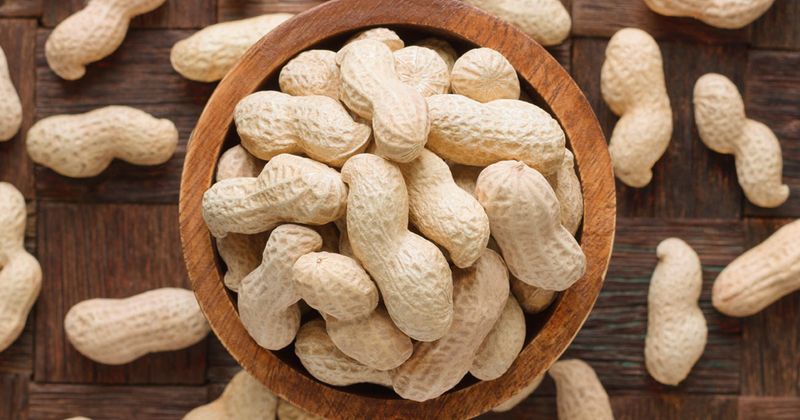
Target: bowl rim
453, 19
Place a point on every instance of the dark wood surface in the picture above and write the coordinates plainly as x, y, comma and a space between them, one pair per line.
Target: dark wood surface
751, 369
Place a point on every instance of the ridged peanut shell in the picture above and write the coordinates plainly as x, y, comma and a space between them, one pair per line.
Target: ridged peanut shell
423, 69
373, 340
567, 187
532, 299
312, 72
579, 393
244, 398
10, 105
502, 346
727, 14
237, 162
484, 75
443, 48
546, 21
335, 285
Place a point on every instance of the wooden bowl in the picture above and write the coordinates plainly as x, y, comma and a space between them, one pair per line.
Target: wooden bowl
549, 334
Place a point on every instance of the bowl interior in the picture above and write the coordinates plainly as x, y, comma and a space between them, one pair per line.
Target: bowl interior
544, 82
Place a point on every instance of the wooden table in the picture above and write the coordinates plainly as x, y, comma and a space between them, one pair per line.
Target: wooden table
116, 234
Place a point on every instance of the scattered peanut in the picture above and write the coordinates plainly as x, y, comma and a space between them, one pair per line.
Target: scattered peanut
210, 53
727, 14
244, 398
412, 274
443, 48
10, 105
546, 21
92, 34
20, 273
271, 123
373, 90
287, 411
443, 212
83, 145
532, 299
470, 133
579, 393
313, 72
484, 75
479, 296
724, 128
632, 84
567, 187
267, 298
676, 327
119, 331
423, 69
524, 216
520, 396
502, 346
289, 189
760, 276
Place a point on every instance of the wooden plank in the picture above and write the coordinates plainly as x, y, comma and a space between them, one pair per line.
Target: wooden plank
111, 251
604, 18
138, 75
778, 27
770, 339
534, 407
669, 406
182, 14
17, 37
612, 340
21, 8
772, 96
54, 401
13, 397
689, 180
240, 9
769, 408
221, 366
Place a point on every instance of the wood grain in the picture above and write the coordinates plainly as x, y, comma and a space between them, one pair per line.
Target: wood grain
20, 8
240, 9
769, 408
183, 14
778, 28
13, 396
111, 251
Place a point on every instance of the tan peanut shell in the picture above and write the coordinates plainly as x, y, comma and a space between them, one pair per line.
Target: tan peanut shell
443, 48
760, 276
272, 123
524, 215
289, 189
209, 54
237, 162
471, 133
567, 187
532, 299
423, 69
119, 331
443, 212
632, 84
287, 411
724, 128
244, 398
383, 35
83, 145
479, 296
267, 298
10, 105
20, 273
372, 89
373, 340
520, 396
676, 327
412, 274
91, 34
311, 73
484, 75
502, 346
546, 21
727, 14
579, 393
327, 363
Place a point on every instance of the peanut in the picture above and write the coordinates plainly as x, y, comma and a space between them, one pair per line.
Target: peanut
244, 398
92, 34
761, 275
373, 339
383, 35
287, 411
313, 72
502, 346
484, 75
727, 14
579, 393
20, 273
271, 123
10, 105
267, 298
443, 48
470, 133
524, 216
236, 162
724, 128
372, 89
289, 189
412, 274
520, 396
632, 84
210, 53
119, 331
83, 145
533, 300
479, 296
327, 363
423, 69
546, 21
676, 327
567, 187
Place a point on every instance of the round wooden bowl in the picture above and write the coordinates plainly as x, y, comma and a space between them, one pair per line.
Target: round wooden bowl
549, 334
